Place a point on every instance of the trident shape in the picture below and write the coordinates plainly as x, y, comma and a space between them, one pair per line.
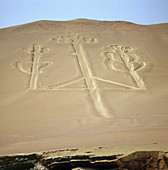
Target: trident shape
76, 42
118, 58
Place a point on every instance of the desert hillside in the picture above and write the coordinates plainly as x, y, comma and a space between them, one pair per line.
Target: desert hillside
83, 83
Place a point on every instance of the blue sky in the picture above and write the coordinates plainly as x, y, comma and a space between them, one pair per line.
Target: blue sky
16, 12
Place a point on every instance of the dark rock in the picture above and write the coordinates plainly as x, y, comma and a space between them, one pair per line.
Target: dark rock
147, 160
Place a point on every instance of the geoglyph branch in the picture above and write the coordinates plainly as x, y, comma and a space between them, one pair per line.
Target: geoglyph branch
36, 65
123, 59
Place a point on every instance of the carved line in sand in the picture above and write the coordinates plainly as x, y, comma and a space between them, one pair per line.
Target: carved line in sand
36, 64
123, 59
77, 44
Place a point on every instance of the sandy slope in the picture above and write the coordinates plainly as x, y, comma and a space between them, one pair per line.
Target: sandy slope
82, 83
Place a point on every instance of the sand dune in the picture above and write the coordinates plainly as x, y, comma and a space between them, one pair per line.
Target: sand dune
82, 83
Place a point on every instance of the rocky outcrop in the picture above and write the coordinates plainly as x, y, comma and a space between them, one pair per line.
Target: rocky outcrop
19, 162
83, 161
144, 160
152, 160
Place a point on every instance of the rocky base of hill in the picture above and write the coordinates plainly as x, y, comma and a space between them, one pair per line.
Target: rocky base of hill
66, 160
